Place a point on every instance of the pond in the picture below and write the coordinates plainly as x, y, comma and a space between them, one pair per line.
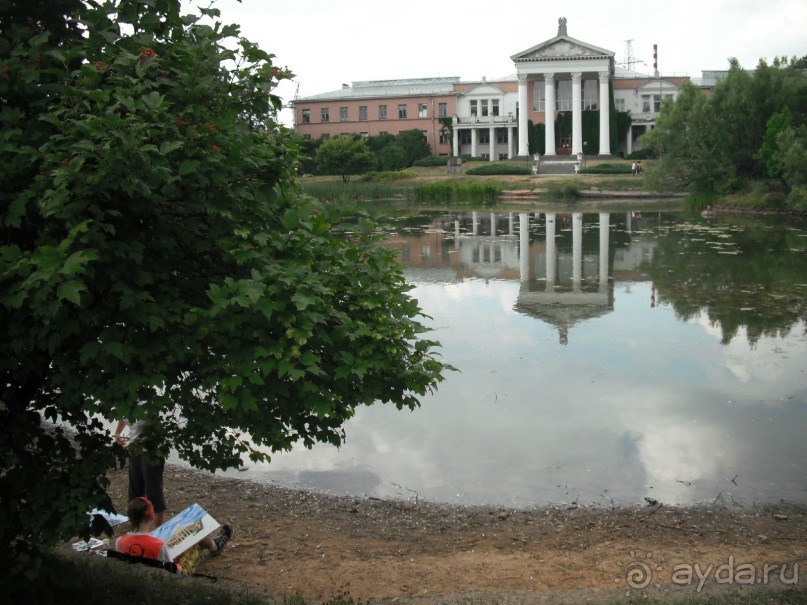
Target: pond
604, 357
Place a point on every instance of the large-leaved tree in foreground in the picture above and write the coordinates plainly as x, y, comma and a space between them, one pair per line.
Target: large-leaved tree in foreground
159, 260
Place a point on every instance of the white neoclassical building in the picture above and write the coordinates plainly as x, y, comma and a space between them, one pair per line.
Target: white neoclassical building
564, 74
490, 119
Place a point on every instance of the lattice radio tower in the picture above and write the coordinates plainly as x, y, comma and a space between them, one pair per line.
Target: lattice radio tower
630, 60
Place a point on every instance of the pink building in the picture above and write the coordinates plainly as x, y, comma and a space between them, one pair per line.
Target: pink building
488, 119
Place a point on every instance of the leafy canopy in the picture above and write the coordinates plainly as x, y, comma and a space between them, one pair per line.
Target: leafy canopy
345, 156
158, 260
752, 126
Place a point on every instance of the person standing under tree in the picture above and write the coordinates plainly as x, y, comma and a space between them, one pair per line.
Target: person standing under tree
145, 469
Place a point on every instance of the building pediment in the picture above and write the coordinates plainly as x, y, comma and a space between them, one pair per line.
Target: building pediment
656, 85
484, 90
561, 48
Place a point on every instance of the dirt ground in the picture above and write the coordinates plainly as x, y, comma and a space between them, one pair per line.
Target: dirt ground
288, 542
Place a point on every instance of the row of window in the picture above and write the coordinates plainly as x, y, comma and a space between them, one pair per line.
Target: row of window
403, 112
484, 107
563, 95
483, 136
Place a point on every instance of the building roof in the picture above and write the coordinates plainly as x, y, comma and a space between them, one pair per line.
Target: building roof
390, 88
562, 46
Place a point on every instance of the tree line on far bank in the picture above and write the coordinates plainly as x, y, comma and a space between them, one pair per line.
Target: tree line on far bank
348, 155
749, 135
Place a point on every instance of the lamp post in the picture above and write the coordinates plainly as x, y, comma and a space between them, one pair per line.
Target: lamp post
584, 153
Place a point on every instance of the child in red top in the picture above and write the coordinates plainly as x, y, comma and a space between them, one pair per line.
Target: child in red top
138, 542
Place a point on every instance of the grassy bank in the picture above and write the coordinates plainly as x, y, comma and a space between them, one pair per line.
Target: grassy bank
434, 183
74, 578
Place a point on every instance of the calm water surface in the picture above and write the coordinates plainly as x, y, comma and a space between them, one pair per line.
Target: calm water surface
603, 357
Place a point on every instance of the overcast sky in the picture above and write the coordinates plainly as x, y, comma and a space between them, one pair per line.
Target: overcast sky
330, 42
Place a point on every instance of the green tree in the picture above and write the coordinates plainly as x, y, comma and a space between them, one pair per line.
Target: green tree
158, 259
345, 156
392, 157
686, 143
767, 154
414, 145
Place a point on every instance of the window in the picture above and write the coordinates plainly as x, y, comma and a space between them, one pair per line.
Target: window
539, 96
364, 135
422, 110
401, 112
465, 137
343, 114
501, 135
484, 137
363, 113
382, 112
442, 110
306, 116
484, 107
473, 108
564, 95
503, 156
444, 136
494, 107
307, 137
565, 140
590, 94
619, 104
425, 134
652, 103
323, 115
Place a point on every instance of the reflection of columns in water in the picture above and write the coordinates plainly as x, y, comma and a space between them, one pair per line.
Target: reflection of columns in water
492, 225
605, 232
456, 232
577, 250
524, 246
475, 220
551, 253
510, 224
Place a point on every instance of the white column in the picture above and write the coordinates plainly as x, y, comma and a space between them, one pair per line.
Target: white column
605, 235
523, 116
605, 116
492, 225
629, 142
510, 223
524, 246
577, 250
455, 144
577, 113
551, 253
549, 114
510, 149
473, 142
492, 147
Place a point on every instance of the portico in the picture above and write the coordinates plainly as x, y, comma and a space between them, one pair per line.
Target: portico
563, 74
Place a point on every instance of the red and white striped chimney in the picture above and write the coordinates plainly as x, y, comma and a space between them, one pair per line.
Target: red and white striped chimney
655, 60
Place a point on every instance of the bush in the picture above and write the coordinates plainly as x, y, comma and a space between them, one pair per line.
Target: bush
431, 161
643, 154
608, 169
453, 191
387, 176
496, 168
797, 199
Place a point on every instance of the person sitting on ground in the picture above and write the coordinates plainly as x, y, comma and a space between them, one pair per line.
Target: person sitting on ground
140, 543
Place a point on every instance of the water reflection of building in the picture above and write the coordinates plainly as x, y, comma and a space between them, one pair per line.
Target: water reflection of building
564, 262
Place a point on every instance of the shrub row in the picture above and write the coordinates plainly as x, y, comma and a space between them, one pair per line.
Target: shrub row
496, 168
448, 191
